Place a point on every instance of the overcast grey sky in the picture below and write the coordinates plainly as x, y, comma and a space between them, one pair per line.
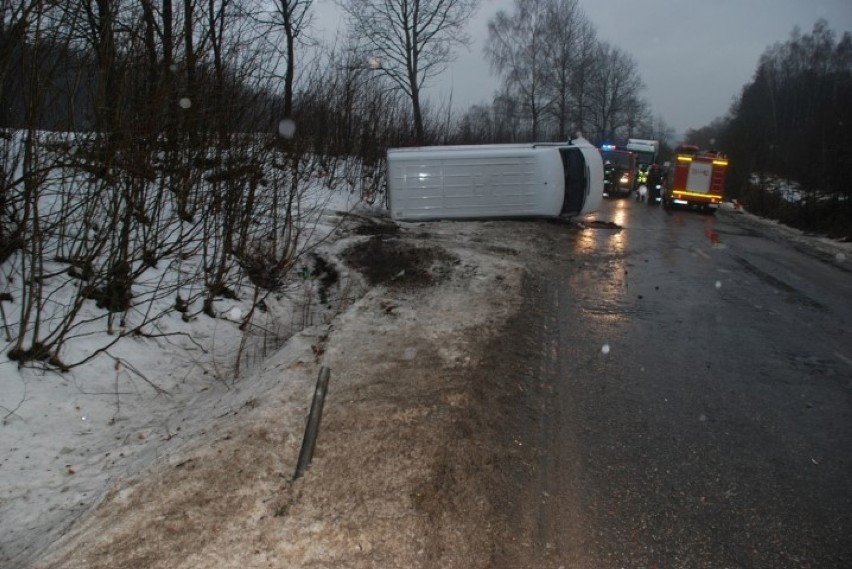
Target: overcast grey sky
694, 56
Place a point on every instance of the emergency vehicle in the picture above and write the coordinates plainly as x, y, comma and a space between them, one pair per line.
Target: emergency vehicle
646, 150
696, 178
619, 170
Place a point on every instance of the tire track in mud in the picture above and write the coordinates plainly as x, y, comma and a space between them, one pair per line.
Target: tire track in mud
540, 526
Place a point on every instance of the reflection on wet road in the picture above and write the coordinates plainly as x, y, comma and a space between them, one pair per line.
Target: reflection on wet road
698, 409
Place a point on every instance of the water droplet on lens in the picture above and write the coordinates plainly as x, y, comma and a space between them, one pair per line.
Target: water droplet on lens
287, 128
605, 349
840, 257
718, 284
185, 103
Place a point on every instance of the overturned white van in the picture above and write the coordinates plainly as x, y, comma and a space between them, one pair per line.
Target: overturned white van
494, 181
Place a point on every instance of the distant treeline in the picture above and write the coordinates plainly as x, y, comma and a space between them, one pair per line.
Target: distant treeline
793, 123
52, 86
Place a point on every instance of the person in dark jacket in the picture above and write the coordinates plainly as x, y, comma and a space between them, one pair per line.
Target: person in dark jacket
654, 183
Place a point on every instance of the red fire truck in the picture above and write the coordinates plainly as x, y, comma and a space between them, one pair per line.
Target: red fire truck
697, 178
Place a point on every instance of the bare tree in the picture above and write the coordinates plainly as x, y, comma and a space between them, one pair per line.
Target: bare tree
614, 92
15, 21
159, 41
559, 74
517, 50
101, 18
476, 126
15, 18
545, 52
584, 65
411, 41
565, 28
293, 16
507, 117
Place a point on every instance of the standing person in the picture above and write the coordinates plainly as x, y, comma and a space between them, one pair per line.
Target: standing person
654, 183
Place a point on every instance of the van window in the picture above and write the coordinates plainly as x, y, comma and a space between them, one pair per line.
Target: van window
574, 165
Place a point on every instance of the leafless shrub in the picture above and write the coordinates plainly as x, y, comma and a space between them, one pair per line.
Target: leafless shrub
168, 186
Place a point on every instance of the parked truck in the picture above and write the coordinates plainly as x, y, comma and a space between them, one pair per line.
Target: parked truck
696, 179
494, 181
647, 151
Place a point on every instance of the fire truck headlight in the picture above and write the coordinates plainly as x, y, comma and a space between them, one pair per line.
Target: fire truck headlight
624, 179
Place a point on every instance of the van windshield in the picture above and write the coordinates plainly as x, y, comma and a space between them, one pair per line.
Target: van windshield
575, 180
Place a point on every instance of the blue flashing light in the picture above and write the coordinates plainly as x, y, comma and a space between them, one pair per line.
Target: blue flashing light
607, 147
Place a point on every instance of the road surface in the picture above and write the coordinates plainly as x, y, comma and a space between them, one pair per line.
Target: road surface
690, 397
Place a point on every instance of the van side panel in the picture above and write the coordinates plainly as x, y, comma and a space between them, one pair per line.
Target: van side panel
474, 182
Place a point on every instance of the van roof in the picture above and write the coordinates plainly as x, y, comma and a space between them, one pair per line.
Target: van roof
508, 146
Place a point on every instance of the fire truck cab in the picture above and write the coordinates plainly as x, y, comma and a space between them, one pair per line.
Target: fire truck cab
696, 179
619, 170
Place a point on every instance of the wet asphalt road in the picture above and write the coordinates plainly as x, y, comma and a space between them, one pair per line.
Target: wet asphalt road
696, 405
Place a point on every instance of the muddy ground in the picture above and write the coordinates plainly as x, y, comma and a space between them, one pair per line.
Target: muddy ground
421, 452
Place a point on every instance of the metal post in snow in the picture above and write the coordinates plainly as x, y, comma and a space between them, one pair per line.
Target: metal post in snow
312, 428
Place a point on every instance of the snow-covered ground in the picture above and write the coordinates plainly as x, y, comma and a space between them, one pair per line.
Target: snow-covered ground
789, 191
839, 252
67, 438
